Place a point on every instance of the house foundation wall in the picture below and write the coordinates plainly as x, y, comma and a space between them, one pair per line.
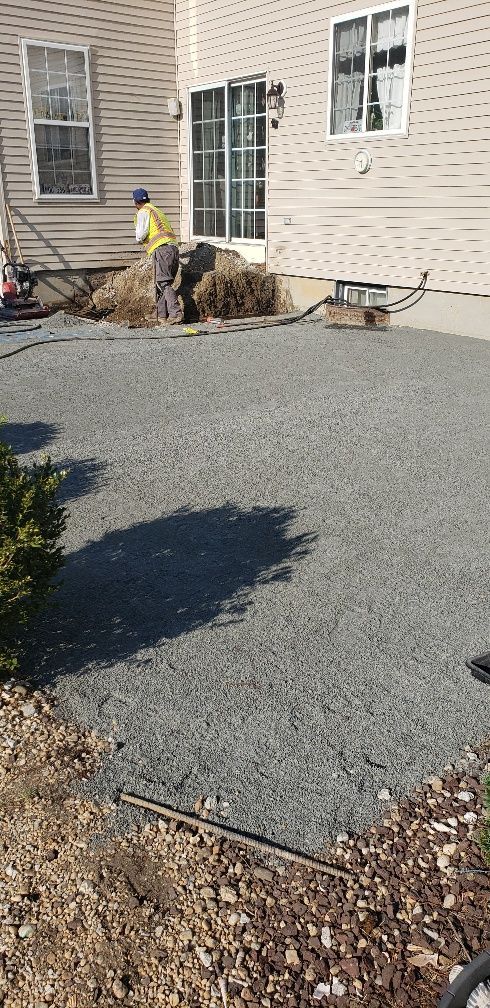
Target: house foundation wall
455, 314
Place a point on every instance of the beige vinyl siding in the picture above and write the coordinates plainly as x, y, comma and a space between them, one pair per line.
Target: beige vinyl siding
425, 203
132, 72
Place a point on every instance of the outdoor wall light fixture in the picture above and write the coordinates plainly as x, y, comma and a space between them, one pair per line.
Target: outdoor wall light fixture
274, 94
275, 101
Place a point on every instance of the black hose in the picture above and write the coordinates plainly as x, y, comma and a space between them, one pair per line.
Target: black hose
407, 297
289, 320
31, 328
395, 311
163, 336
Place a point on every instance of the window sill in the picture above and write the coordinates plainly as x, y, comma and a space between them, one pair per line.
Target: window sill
59, 197
373, 135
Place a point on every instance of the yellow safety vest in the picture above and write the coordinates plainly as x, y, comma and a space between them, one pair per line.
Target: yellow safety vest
160, 231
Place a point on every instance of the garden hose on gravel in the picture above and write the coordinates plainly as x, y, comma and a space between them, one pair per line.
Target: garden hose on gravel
260, 323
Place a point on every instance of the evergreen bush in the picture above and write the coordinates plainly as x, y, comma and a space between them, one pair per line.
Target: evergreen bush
31, 526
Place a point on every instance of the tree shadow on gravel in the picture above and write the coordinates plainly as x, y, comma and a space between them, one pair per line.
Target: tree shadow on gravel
84, 476
137, 587
28, 437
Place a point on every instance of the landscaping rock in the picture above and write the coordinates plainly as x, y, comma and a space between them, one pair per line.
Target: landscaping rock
159, 904
119, 990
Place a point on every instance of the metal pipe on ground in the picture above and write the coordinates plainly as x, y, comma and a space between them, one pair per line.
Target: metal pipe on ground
225, 832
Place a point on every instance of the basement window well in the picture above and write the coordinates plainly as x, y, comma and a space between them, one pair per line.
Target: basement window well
361, 295
369, 71
59, 114
228, 126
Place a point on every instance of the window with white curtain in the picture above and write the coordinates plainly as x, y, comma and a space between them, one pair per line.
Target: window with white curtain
228, 160
59, 115
370, 71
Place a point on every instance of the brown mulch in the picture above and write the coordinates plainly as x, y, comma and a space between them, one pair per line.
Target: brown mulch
168, 916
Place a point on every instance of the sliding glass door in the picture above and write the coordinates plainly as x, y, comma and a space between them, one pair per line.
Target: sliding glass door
228, 160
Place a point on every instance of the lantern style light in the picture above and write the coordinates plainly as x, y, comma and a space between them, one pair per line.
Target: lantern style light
274, 95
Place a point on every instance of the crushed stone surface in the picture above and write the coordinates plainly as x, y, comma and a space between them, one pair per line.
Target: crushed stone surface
276, 563
171, 916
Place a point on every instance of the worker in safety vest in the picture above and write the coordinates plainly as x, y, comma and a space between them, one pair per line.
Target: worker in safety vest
154, 231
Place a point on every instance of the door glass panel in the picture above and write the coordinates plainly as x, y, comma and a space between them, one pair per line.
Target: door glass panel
248, 195
260, 163
249, 99
236, 164
249, 164
248, 225
248, 158
210, 165
236, 195
261, 128
260, 195
219, 167
220, 224
236, 224
260, 226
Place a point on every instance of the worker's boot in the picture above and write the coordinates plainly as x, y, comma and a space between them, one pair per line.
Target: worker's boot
176, 319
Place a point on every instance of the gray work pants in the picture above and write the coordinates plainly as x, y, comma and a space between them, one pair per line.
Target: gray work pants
166, 262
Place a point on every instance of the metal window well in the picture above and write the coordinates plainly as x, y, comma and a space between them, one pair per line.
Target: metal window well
480, 667
464, 992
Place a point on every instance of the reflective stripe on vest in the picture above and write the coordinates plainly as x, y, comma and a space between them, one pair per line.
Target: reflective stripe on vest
160, 231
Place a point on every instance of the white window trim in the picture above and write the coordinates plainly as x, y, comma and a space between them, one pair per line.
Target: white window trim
228, 240
368, 288
57, 197
342, 19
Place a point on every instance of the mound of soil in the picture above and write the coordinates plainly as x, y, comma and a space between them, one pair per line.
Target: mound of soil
211, 282
237, 294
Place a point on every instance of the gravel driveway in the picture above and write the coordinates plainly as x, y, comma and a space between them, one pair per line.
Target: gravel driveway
276, 562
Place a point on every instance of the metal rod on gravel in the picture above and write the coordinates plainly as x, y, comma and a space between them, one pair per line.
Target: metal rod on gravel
230, 834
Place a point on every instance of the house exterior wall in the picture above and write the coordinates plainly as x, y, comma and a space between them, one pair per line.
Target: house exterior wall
132, 72
425, 203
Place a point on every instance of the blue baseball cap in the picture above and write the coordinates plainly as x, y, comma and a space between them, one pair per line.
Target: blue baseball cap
140, 195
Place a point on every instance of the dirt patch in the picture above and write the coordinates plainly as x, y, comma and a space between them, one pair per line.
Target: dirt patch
211, 281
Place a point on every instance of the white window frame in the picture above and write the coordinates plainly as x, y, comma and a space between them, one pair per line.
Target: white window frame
346, 286
31, 122
368, 12
226, 84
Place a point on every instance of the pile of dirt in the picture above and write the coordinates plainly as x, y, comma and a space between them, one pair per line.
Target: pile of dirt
237, 294
211, 281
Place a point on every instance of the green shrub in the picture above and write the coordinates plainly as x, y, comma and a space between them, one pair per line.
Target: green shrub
31, 524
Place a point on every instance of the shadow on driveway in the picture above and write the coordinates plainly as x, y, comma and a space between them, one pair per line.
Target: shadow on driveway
28, 437
157, 580
83, 475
